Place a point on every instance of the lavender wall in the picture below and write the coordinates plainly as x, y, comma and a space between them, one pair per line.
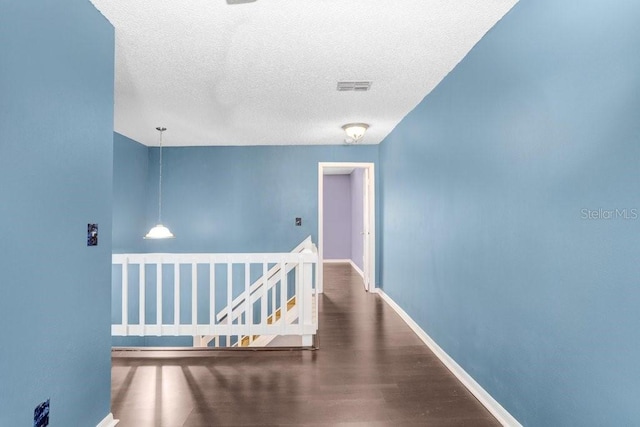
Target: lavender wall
357, 223
337, 216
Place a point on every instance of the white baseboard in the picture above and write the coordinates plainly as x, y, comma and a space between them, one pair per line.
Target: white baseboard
356, 268
501, 414
108, 421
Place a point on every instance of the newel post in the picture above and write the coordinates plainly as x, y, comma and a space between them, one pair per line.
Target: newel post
306, 316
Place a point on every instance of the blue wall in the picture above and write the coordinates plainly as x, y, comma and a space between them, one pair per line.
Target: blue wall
484, 186
240, 199
221, 199
56, 117
130, 174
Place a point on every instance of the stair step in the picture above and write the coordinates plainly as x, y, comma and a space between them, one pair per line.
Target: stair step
246, 342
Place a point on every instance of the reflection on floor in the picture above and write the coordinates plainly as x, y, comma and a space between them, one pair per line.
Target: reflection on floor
370, 370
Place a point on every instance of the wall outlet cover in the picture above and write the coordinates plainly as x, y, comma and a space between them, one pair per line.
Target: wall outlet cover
298, 222
92, 234
41, 415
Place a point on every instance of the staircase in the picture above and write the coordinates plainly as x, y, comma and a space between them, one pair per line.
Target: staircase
264, 340
260, 291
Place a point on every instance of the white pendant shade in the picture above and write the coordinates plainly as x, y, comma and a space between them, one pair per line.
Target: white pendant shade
159, 232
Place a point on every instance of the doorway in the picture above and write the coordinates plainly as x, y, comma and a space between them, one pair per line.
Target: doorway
364, 179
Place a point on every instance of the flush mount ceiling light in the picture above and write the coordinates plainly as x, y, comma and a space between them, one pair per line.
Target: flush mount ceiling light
355, 132
160, 231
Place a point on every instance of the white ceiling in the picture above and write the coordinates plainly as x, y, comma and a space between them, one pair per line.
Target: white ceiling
265, 72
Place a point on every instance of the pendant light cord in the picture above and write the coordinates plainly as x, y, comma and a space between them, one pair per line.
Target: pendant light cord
161, 129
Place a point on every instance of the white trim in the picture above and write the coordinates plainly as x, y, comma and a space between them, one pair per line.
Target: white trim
492, 405
368, 204
319, 273
357, 269
108, 421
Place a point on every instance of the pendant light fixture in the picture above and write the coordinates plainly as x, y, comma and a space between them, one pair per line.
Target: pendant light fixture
160, 231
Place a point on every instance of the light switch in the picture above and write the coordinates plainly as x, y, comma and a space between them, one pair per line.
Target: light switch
92, 234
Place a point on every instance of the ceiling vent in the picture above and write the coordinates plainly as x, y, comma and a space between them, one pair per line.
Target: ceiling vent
359, 86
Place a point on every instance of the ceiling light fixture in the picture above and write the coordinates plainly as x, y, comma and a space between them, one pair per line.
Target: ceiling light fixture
160, 231
355, 132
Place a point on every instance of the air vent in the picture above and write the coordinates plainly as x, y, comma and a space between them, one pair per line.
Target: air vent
360, 86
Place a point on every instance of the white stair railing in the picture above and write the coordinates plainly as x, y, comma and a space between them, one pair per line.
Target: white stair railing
259, 289
273, 277
266, 295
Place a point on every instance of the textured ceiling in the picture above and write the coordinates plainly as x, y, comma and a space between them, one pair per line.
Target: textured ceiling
217, 72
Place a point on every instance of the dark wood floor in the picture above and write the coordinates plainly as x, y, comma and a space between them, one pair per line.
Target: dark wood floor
370, 370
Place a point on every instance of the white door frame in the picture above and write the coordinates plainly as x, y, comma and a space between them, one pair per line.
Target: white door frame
370, 215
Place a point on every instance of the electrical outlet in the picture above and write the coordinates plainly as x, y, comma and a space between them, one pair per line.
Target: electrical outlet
298, 222
41, 415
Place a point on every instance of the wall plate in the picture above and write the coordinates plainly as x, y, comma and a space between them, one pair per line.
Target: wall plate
41, 415
92, 234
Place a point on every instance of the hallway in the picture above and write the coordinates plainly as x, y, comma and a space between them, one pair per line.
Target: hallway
370, 370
